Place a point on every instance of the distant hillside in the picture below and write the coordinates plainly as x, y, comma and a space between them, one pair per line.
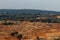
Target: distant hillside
17, 13
27, 11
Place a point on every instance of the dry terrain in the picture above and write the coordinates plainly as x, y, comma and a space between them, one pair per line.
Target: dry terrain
30, 30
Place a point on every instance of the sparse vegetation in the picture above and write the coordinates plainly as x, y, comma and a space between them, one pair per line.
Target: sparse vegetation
14, 33
38, 38
35, 22
7, 23
20, 36
57, 39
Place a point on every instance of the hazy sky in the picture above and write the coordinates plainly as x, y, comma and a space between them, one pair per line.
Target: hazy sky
30, 4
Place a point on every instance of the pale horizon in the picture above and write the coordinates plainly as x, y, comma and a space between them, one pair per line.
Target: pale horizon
52, 5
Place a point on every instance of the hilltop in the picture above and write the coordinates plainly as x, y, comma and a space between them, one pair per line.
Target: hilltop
28, 11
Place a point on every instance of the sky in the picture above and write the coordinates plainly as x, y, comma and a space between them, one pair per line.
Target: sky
53, 5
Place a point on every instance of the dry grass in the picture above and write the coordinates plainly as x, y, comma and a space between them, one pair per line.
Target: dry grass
30, 30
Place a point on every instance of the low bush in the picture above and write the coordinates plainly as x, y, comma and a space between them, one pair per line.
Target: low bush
8, 23
20, 36
14, 33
